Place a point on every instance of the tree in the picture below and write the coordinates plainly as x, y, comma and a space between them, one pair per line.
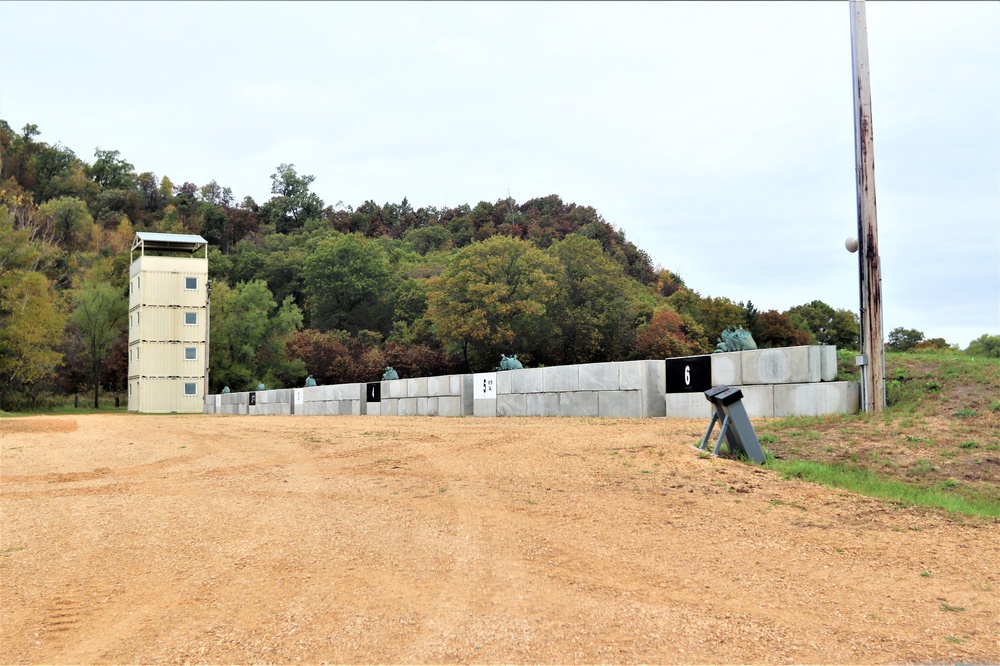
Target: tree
828, 326
596, 309
345, 278
30, 332
904, 339
985, 345
778, 330
667, 335
493, 298
249, 336
99, 318
713, 314
70, 223
293, 203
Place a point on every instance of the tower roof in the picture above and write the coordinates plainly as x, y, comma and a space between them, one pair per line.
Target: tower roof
148, 240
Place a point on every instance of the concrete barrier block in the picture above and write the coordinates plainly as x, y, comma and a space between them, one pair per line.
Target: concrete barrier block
541, 404
758, 400
784, 365
394, 388
455, 384
437, 386
373, 408
416, 387
561, 378
242, 409
484, 407
817, 399
654, 389
467, 394
450, 405
389, 407
345, 407
432, 405
630, 374
599, 377
407, 407
688, 406
828, 363
727, 368
579, 403
322, 393
503, 382
346, 392
528, 380
620, 404
512, 404
281, 395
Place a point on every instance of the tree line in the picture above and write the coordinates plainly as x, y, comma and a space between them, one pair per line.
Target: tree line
301, 287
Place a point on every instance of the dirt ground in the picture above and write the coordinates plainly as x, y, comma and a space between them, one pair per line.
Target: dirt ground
229, 539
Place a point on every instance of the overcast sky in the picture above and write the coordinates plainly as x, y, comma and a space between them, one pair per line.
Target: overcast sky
718, 136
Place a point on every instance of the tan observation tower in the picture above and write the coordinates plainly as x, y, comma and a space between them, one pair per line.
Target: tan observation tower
168, 323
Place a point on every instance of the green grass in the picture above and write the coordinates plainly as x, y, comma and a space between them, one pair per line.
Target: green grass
867, 482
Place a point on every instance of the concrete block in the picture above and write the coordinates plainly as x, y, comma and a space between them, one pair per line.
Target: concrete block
394, 388
620, 404
319, 393
512, 404
484, 407
579, 403
654, 388
528, 380
281, 395
599, 377
828, 363
416, 387
407, 407
467, 393
346, 407
630, 374
437, 386
242, 409
372, 408
758, 400
503, 382
817, 399
727, 368
784, 365
432, 405
455, 384
348, 391
450, 405
688, 406
541, 404
561, 378
389, 406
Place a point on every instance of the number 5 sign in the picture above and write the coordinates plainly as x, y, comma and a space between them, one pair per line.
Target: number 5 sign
484, 385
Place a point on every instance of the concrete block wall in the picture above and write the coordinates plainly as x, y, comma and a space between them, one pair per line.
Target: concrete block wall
446, 395
774, 382
788, 381
627, 389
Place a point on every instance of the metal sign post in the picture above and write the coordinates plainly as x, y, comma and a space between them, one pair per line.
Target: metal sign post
727, 406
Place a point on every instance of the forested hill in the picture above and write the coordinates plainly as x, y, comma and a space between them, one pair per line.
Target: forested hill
301, 287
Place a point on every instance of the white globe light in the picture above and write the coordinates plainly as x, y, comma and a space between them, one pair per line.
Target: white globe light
851, 244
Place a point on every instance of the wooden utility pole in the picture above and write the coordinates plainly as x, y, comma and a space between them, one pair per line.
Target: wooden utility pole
873, 368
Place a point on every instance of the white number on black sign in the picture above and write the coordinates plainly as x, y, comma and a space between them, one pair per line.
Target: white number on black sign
687, 375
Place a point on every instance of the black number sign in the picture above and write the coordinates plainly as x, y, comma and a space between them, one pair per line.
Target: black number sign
374, 392
689, 374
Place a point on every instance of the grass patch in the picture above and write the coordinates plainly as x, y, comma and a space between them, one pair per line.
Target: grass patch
867, 482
